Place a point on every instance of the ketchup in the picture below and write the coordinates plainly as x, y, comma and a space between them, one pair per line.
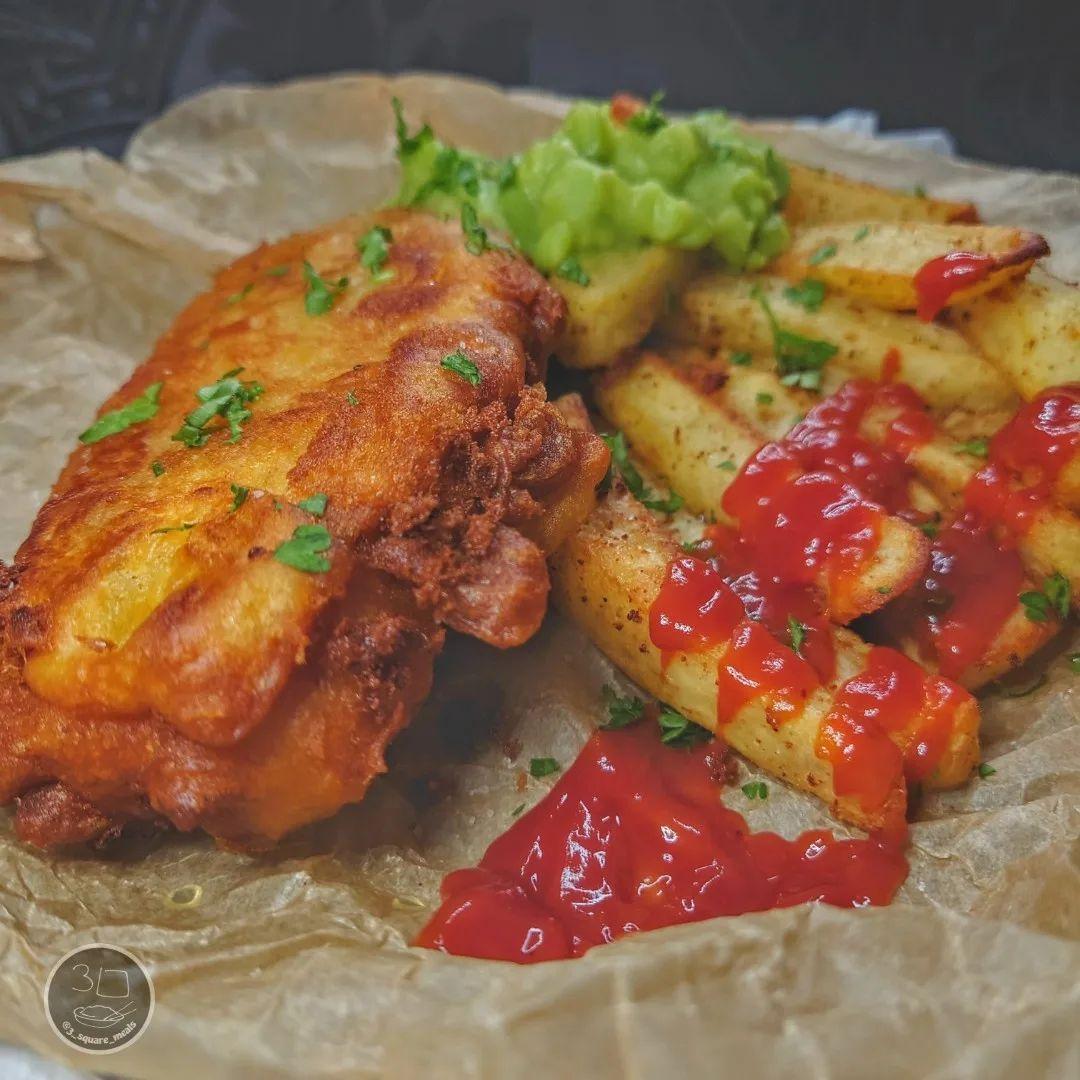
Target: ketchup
1043, 436
939, 279
967, 593
993, 494
893, 696
634, 837
811, 505
890, 364
695, 608
758, 666
623, 106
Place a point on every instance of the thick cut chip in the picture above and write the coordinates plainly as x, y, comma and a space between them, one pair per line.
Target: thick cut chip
879, 262
720, 310
818, 197
1029, 330
626, 292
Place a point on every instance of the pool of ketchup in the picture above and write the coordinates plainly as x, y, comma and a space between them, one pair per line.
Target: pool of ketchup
635, 837
937, 281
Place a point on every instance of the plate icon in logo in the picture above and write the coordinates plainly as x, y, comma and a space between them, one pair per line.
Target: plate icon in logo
99, 998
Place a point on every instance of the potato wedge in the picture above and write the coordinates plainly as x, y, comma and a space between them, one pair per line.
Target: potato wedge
694, 426
606, 578
878, 262
1017, 640
718, 310
1051, 543
817, 197
679, 428
627, 292
1041, 443
1029, 330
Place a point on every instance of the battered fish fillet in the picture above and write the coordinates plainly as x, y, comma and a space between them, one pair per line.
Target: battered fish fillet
160, 661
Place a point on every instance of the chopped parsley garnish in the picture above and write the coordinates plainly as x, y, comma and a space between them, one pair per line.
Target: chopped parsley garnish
741, 359
238, 296
986, 770
930, 528
460, 364
622, 711
727, 466
1059, 592
314, 504
826, 251
620, 457
174, 528
691, 546
807, 294
352, 399
861, 233
799, 359
919, 191
572, 270
278, 271
763, 398
157, 468
374, 249
676, 730
138, 411
649, 119
797, 632
517, 810
756, 789
543, 766
450, 171
975, 447
240, 495
407, 144
227, 398
476, 237
303, 550
320, 295
506, 174
1074, 662
1054, 599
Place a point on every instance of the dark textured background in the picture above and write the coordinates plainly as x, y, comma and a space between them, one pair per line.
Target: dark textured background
1002, 75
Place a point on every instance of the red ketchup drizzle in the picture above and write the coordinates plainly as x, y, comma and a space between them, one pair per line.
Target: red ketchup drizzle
634, 837
697, 609
968, 592
1043, 437
939, 279
694, 610
992, 493
894, 696
890, 364
623, 106
758, 666
812, 504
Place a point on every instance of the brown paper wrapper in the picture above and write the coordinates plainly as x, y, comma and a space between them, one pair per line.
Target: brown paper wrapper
298, 962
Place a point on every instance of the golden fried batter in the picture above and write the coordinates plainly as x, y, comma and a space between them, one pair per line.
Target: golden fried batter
160, 661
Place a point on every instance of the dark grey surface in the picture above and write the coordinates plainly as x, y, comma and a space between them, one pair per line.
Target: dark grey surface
1002, 75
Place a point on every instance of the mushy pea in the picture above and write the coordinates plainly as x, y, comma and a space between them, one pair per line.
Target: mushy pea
612, 178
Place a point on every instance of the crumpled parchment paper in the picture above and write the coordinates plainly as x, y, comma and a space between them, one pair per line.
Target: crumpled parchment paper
297, 963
